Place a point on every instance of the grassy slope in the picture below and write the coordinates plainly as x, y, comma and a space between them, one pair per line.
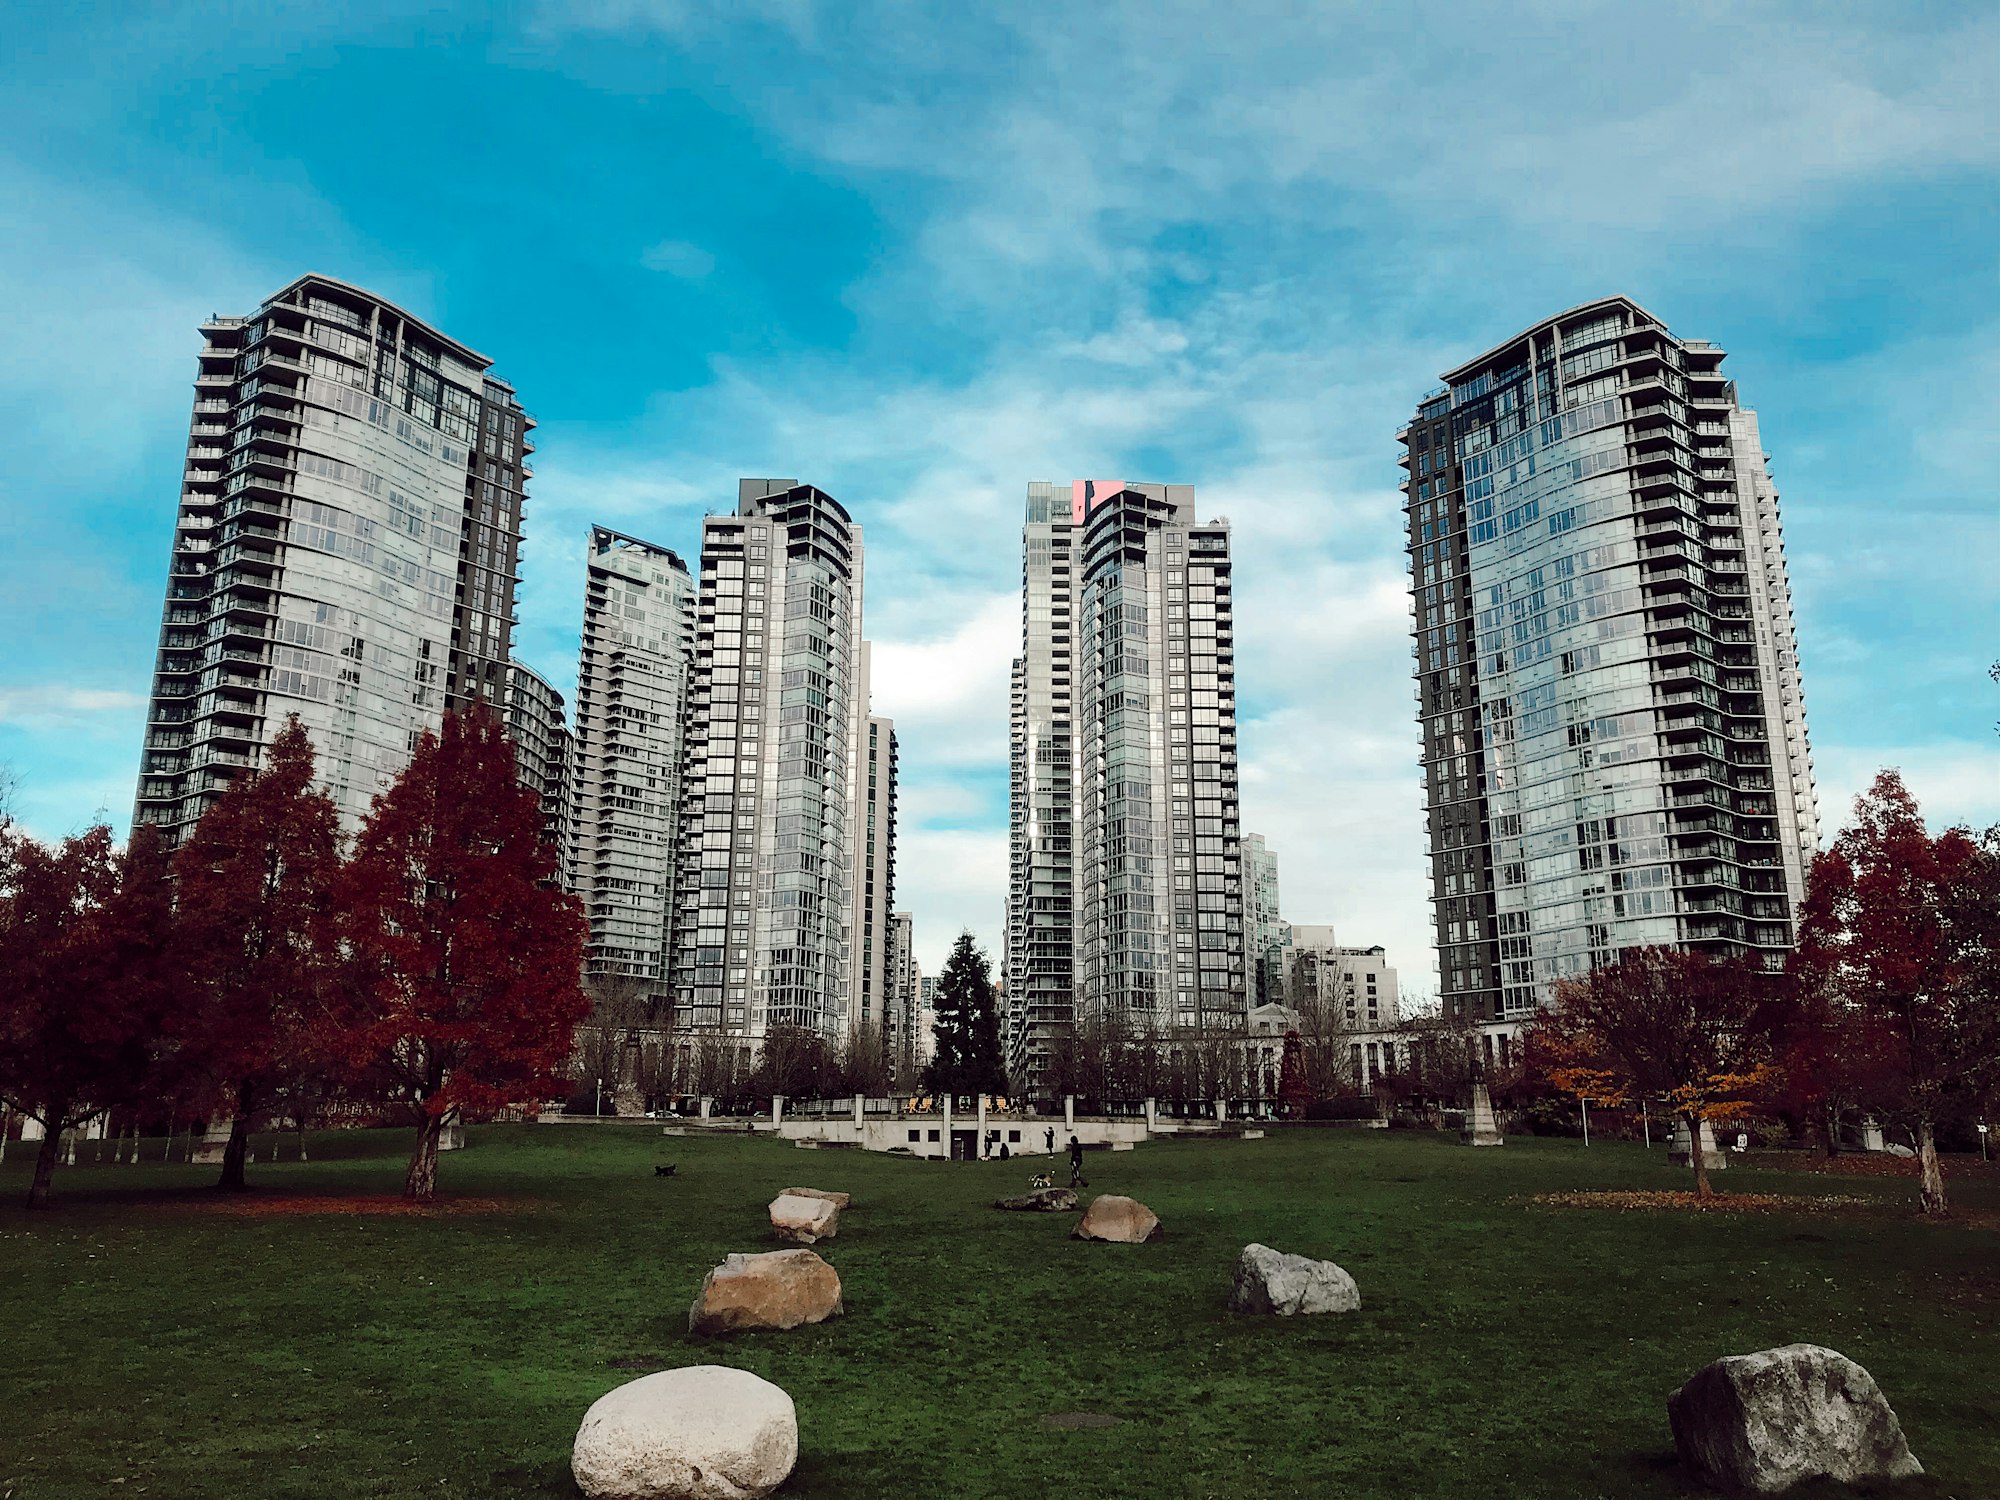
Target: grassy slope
1503, 1349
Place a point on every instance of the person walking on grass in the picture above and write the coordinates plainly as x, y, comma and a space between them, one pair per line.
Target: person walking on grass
1076, 1163
1050, 1134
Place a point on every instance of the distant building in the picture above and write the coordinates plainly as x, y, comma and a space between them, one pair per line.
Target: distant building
925, 1046
1264, 931
346, 549
534, 714
632, 691
875, 875
1355, 987
899, 1015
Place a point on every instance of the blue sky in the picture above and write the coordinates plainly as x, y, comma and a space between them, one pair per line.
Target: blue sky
923, 255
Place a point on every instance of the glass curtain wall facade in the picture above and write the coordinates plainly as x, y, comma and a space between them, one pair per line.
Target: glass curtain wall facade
540, 730
631, 716
1042, 769
346, 550
1265, 932
767, 859
1159, 933
1615, 747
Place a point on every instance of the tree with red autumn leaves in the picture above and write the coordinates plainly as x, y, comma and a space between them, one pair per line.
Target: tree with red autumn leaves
255, 939
1896, 940
467, 989
83, 933
1691, 1029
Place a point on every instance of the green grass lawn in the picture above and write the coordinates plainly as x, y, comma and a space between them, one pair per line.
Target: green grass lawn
1504, 1348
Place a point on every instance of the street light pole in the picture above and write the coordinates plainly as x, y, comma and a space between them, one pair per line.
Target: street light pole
1585, 1100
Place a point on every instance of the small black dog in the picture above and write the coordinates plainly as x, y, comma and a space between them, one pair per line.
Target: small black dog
666, 1171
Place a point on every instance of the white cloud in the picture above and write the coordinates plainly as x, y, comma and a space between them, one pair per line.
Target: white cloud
57, 705
1072, 140
1953, 782
678, 258
948, 695
949, 879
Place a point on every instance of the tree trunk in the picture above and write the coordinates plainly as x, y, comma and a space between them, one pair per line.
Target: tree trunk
1698, 1158
420, 1184
1933, 1171
239, 1143
233, 1154
45, 1166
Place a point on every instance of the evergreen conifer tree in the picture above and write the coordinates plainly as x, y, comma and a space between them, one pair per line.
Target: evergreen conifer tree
967, 1059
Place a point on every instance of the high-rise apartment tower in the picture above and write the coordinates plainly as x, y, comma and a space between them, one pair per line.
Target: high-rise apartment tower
631, 719
875, 876
346, 551
900, 1014
1041, 912
763, 929
540, 729
1158, 870
1615, 748
1265, 932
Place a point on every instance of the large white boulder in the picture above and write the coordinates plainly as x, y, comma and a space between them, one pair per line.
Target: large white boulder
1269, 1281
707, 1432
803, 1220
1764, 1422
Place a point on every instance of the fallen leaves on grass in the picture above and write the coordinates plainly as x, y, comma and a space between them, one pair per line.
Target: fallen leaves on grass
370, 1203
1863, 1164
1683, 1200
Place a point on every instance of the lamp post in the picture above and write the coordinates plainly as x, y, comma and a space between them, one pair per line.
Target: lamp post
1982, 1142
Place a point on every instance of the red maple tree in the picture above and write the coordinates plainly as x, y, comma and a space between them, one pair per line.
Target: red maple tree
256, 938
83, 939
1690, 1029
469, 987
1896, 927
